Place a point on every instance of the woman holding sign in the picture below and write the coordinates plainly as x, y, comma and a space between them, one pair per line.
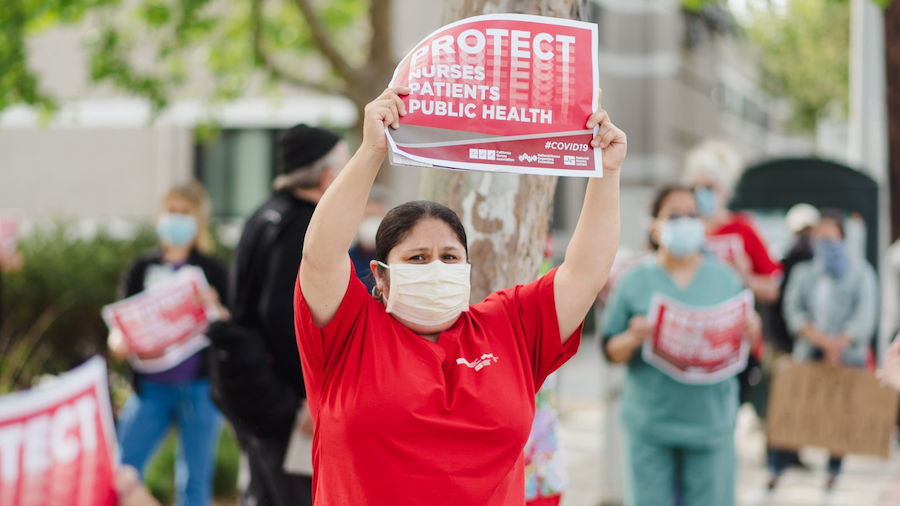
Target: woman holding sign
678, 436
418, 397
174, 387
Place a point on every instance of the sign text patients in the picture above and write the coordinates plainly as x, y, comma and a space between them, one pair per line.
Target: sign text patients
522, 46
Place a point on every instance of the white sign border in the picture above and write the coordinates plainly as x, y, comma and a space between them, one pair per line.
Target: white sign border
93, 371
688, 377
436, 163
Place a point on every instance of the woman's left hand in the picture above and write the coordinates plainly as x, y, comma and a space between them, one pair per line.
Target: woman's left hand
609, 138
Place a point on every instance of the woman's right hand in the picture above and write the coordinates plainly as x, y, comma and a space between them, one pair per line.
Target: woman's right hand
383, 112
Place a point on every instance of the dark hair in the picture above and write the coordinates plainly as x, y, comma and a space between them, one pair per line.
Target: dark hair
399, 221
835, 216
661, 196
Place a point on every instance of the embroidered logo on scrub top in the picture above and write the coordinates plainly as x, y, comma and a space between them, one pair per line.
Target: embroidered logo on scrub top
479, 363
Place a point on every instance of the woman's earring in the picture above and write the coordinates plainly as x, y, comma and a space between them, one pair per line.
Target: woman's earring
376, 293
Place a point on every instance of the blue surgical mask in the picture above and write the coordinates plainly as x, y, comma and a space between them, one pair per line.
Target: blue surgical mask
832, 256
707, 202
178, 230
682, 237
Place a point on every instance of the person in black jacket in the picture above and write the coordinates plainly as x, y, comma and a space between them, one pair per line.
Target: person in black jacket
174, 388
260, 388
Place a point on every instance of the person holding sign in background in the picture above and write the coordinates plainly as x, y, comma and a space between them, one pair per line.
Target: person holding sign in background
418, 397
677, 436
712, 170
830, 303
179, 394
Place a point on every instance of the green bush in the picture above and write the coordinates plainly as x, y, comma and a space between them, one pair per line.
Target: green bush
52, 322
52, 306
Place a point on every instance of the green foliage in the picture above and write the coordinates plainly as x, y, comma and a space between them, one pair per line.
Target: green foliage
804, 53
53, 303
217, 46
161, 471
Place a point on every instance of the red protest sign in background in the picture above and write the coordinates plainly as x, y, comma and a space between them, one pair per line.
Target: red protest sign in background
165, 315
57, 442
698, 345
503, 92
10, 229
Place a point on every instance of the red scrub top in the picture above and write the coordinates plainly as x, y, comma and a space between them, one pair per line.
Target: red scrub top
402, 420
740, 225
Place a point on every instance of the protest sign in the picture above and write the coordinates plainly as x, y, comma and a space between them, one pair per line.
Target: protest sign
298, 457
502, 92
10, 230
57, 442
845, 411
698, 345
727, 247
166, 322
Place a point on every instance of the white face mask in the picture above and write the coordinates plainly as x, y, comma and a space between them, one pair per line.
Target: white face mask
431, 294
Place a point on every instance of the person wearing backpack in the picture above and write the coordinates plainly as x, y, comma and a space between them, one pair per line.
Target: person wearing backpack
257, 378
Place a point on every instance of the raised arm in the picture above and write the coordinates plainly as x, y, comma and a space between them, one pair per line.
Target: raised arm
325, 269
592, 250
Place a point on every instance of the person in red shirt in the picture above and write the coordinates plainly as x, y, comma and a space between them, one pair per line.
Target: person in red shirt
416, 396
712, 170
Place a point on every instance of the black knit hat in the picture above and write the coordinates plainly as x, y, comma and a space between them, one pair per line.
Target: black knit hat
303, 145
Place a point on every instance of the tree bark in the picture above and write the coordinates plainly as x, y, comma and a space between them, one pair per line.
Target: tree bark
892, 72
507, 216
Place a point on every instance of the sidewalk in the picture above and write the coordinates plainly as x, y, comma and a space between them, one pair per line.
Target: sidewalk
865, 481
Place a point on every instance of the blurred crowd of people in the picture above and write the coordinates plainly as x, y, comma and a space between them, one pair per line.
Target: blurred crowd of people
817, 303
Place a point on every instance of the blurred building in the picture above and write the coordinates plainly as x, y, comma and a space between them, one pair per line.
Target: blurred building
670, 79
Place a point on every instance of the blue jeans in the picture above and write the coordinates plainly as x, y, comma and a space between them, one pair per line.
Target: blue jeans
145, 420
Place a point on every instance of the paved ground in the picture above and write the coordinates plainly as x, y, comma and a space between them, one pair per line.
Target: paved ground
865, 482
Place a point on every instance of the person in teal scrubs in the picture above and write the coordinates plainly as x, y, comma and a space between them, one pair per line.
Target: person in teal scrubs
678, 438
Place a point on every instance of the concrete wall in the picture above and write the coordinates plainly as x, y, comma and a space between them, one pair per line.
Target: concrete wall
91, 173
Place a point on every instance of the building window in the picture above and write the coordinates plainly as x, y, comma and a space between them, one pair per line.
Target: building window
237, 170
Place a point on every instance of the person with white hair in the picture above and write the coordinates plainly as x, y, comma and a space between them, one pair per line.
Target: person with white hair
712, 169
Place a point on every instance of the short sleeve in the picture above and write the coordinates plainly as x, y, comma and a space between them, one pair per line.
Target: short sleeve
532, 307
616, 314
757, 251
319, 346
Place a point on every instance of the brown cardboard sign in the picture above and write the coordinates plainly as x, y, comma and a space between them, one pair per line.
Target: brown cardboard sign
845, 411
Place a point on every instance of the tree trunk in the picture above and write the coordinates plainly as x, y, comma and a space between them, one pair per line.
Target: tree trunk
892, 72
507, 216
